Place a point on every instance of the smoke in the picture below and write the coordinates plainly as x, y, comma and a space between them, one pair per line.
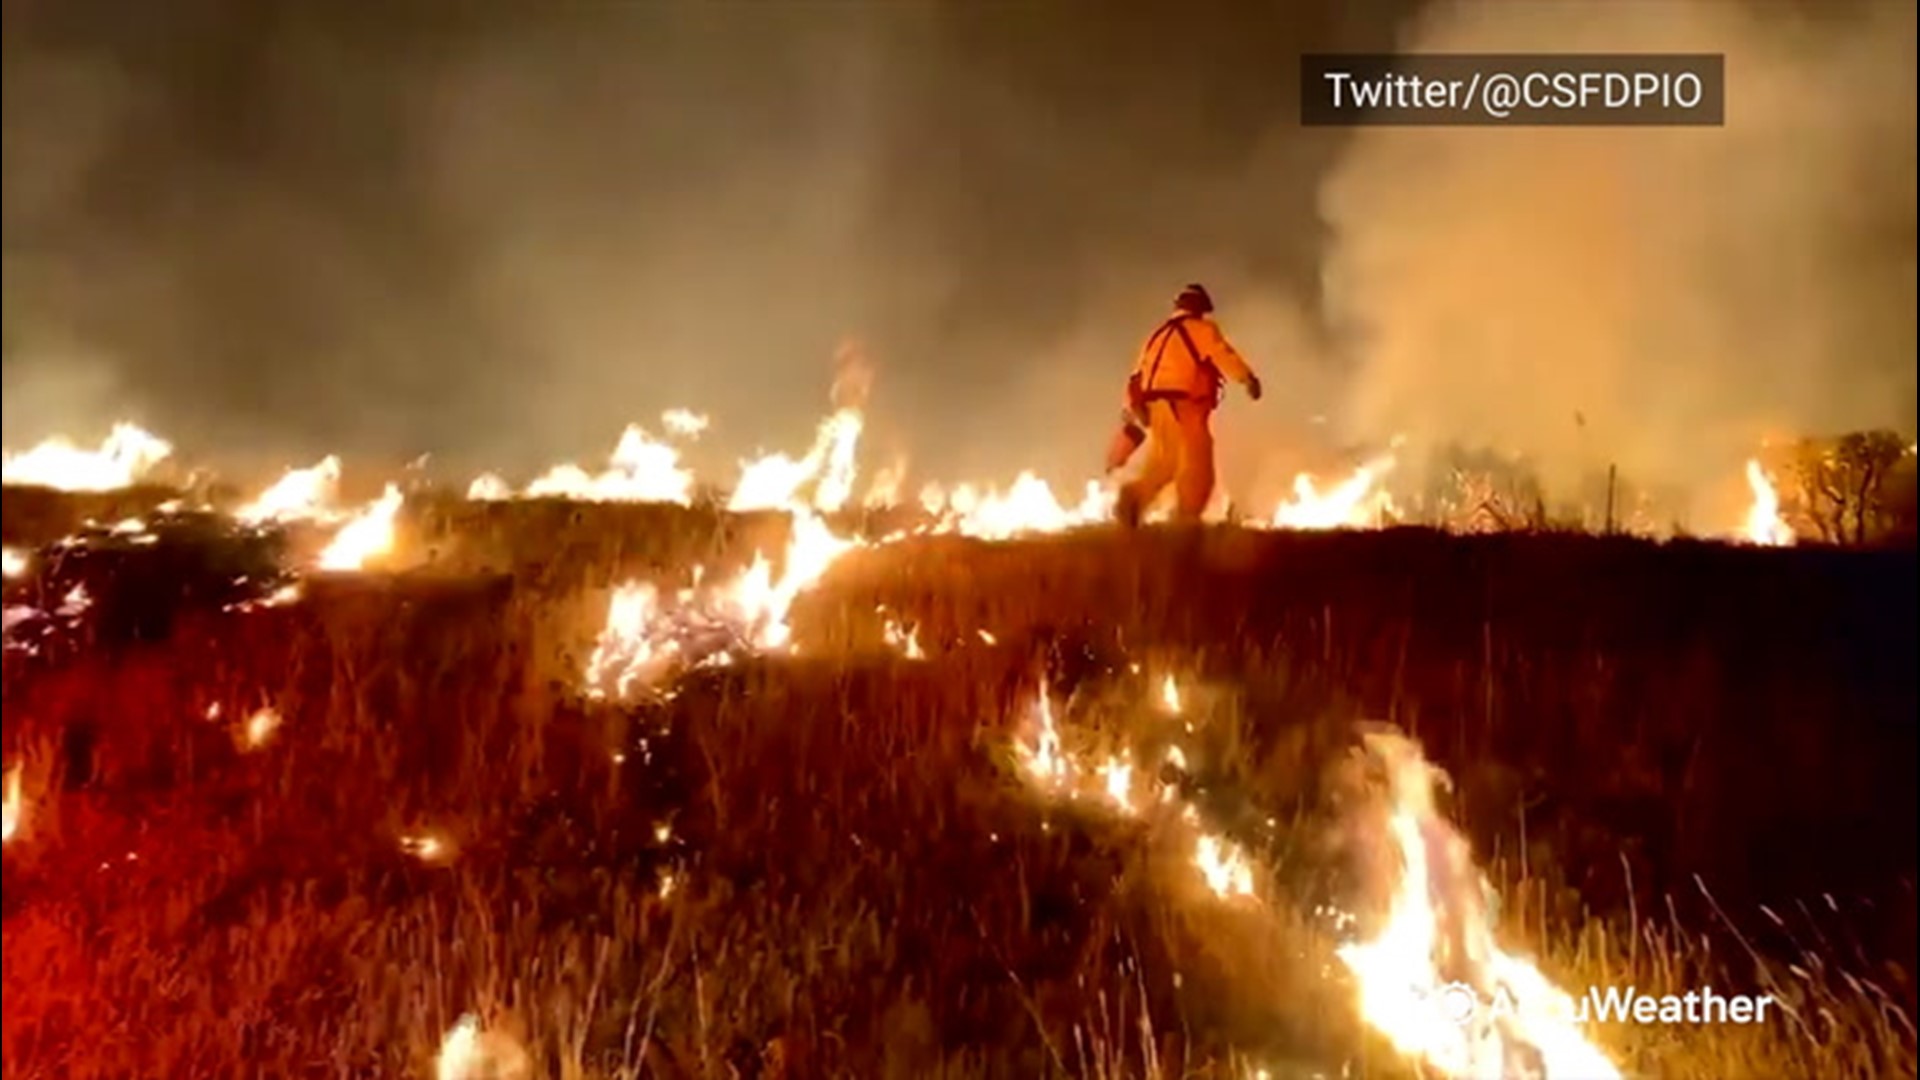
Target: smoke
81, 103
292, 228
283, 229
1659, 299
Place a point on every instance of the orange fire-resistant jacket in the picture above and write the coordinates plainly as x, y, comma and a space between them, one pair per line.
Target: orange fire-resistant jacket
1166, 368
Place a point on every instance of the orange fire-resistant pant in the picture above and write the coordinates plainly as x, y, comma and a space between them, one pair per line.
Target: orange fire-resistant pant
1179, 452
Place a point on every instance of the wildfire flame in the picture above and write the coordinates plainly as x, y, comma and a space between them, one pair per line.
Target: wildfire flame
1437, 937
1356, 502
299, 494
1045, 762
13, 808
1028, 506
640, 469
884, 491
367, 536
903, 639
1223, 867
684, 422
647, 635
429, 847
1438, 940
773, 481
488, 487
468, 1052
1764, 525
260, 727
1170, 695
126, 455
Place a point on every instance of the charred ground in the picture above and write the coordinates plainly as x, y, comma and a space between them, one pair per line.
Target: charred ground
825, 866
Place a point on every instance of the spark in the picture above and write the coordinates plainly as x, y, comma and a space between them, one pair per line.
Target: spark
430, 848
261, 726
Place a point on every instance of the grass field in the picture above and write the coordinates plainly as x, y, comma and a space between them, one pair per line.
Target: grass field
1680, 765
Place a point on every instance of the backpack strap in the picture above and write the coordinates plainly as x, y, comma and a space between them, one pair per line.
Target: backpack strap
1164, 337
1177, 324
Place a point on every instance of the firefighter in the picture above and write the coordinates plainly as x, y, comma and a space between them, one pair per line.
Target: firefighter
1174, 388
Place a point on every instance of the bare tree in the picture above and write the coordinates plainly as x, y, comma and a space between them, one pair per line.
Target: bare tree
1842, 485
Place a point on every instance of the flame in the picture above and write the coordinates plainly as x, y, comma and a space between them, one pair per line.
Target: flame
903, 639
764, 602
641, 469
627, 651
368, 535
646, 636
774, 481
1028, 506
469, 1053
1117, 779
429, 847
126, 455
884, 490
13, 808
1355, 502
1438, 942
1764, 525
684, 423
1044, 759
1170, 696
260, 727
489, 487
1224, 867
13, 562
299, 495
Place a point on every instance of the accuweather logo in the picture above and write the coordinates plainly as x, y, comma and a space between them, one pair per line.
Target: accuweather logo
1459, 1003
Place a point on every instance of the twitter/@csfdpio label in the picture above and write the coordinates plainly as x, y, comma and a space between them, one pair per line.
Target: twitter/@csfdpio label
1458, 1003
1504, 90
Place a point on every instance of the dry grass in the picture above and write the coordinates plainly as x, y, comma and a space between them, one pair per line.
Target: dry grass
825, 867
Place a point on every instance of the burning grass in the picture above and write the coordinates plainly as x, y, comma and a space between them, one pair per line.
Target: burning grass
1013, 855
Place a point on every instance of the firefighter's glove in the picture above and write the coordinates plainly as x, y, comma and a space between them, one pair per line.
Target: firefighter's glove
1253, 387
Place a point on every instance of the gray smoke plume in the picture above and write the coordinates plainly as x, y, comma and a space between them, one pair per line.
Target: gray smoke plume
288, 227
1663, 299
283, 228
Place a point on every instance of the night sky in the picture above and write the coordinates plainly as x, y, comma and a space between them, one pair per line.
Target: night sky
497, 232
